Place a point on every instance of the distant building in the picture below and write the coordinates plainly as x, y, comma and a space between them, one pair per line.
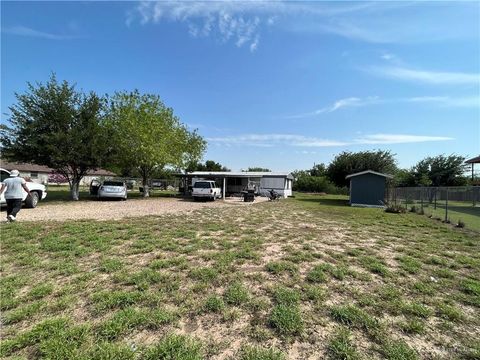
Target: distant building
472, 162
236, 182
368, 188
39, 173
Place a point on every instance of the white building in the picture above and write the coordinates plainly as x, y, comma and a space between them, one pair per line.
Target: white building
235, 182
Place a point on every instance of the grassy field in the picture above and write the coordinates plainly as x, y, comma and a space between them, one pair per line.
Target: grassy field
457, 212
304, 278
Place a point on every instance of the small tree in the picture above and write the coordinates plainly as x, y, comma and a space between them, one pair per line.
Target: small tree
54, 125
57, 178
148, 136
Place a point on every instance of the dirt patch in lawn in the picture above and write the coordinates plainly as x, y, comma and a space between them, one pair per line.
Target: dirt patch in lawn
114, 210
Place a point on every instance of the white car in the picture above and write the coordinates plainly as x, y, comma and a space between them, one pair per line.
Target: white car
109, 189
206, 189
37, 191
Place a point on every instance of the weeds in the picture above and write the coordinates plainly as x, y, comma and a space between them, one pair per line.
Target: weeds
340, 346
287, 320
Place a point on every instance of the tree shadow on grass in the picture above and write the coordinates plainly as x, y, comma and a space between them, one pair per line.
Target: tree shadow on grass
469, 210
326, 201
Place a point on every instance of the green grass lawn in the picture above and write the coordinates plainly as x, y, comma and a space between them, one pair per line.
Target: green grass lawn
457, 212
302, 278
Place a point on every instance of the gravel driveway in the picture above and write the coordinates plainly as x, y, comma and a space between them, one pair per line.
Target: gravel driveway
109, 210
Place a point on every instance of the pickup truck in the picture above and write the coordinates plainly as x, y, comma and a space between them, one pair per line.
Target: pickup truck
206, 189
37, 191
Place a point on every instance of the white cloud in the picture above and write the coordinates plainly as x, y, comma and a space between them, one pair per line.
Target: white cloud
425, 76
339, 104
443, 101
398, 139
254, 44
270, 140
387, 56
378, 22
26, 31
229, 21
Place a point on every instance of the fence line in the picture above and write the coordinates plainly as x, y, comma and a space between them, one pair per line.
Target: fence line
452, 198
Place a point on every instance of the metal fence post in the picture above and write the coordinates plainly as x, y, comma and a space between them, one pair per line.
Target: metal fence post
422, 191
435, 200
446, 205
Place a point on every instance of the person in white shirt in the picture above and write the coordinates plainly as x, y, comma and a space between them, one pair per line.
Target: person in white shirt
14, 193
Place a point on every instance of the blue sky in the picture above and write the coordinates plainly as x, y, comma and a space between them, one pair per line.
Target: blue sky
275, 84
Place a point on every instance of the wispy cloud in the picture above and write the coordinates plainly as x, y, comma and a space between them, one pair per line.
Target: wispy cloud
228, 21
384, 22
241, 22
26, 31
339, 104
443, 101
398, 139
270, 140
426, 76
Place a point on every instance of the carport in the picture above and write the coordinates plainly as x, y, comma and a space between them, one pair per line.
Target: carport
235, 182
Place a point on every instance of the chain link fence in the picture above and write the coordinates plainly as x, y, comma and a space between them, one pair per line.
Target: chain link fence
451, 204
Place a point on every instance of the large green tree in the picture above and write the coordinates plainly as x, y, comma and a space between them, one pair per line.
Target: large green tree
352, 162
57, 126
318, 170
209, 165
148, 136
440, 170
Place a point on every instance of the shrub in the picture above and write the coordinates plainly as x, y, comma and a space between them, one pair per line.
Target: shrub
314, 184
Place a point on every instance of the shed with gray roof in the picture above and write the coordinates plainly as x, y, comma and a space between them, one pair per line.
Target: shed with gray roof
368, 188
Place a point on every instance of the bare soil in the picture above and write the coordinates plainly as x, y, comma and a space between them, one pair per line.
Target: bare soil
115, 209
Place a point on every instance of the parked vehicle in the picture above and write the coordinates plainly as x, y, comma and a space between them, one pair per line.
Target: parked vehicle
109, 189
37, 191
206, 189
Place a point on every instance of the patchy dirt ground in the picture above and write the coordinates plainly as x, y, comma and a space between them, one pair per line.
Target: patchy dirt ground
306, 278
114, 210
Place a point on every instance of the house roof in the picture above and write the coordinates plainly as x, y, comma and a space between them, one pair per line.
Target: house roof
25, 167
368, 172
475, 160
45, 169
238, 174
